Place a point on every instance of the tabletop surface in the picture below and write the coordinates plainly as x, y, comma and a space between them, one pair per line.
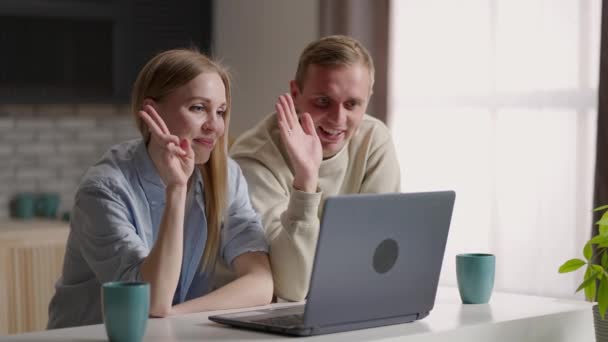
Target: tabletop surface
448, 314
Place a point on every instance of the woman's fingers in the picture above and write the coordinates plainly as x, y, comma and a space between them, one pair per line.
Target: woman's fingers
182, 148
156, 131
184, 144
156, 117
152, 125
170, 139
176, 150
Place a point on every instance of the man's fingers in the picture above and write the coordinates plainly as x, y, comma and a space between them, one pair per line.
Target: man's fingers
291, 116
309, 125
282, 116
283, 129
292, 106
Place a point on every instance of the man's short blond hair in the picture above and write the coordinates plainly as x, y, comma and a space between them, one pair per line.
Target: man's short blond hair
333, 51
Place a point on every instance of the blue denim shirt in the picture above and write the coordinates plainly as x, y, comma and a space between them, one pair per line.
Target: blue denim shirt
115, 220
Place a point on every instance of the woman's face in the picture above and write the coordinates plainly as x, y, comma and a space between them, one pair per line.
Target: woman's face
195, 111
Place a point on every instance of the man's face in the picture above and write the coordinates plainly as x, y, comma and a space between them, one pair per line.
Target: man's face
336, 98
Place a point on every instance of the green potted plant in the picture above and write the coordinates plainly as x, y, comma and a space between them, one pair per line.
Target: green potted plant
595, 281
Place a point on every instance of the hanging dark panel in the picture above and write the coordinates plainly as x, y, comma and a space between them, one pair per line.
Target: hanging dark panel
77, 51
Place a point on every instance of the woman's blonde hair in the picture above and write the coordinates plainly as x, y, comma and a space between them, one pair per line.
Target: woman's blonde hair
162, 75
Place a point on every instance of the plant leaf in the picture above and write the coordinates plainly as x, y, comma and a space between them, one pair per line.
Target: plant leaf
601, 208
601, 272
588, 251
603, 229
604, 218
571, 265
598, 269
599, 239
589, 290
602, 297
603, 223
604, 259
589, 281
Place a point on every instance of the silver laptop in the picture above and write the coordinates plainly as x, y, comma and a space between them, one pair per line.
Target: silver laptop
377, 263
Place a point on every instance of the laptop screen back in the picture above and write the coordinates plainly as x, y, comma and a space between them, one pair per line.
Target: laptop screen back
378, 256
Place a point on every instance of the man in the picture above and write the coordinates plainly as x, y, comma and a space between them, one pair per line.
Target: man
319, 143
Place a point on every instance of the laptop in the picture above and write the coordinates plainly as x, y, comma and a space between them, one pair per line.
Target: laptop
377, 263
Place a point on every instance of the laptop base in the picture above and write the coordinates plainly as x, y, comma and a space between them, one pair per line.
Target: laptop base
319, 330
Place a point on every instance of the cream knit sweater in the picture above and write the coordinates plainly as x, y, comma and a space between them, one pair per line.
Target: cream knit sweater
367, 164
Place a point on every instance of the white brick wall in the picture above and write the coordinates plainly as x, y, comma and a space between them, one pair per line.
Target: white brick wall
32, 148
47, 148
6, 124
35, 124
6, 150
76, 123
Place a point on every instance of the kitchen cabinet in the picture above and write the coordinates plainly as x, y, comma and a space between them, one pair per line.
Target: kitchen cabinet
31, 258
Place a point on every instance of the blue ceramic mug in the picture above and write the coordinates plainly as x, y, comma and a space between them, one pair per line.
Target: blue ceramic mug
125, 307
475, 274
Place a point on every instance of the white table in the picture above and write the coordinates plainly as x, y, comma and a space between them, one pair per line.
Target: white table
508, 317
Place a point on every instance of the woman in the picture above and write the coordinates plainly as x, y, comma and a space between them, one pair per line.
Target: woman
161, 209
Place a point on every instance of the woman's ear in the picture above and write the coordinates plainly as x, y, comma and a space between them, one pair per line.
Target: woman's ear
149, 102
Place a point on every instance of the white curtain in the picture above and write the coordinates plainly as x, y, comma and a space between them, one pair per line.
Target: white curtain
496, 99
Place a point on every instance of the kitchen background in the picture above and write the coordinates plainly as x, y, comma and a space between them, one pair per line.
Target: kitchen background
49, 138
47, 148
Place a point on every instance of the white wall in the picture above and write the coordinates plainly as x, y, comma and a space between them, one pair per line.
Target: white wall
260, 41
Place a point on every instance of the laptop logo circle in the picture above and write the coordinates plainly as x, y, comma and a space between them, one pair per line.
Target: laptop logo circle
386, 255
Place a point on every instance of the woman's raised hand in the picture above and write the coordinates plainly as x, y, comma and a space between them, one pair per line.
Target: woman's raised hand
175, 157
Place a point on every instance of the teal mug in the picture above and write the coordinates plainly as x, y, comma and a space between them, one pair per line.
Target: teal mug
47, 204
125, 308
475, 275
22, 205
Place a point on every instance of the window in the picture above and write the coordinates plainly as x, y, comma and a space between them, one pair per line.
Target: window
496, 99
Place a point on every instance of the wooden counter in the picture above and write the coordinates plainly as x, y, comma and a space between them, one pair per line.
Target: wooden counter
31, 258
